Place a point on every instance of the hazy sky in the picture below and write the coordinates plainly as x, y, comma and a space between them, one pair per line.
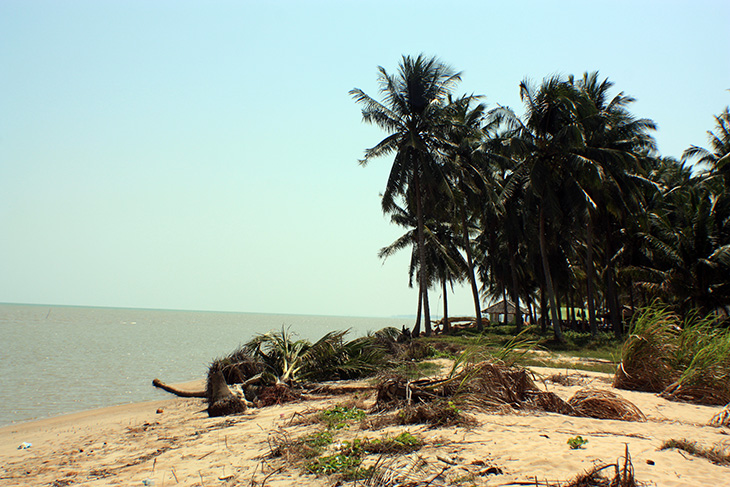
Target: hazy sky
203, 154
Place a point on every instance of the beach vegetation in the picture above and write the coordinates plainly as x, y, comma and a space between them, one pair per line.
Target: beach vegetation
577, 442
683, 359
569, 211
715, 454
339, 417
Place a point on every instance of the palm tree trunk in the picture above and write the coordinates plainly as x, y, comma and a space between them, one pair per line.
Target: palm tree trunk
423, 269
472, 276
426, 313
543, 310
446, 327
589, 278
504, 300
417, 326
549, 280
611, 291
515, 293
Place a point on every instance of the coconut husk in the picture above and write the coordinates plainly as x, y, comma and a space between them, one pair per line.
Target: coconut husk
722, 418
603, 404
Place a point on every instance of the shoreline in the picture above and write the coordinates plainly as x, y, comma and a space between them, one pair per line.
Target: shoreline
128, 444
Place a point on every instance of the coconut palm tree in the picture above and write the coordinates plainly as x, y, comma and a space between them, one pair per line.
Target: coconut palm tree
471, 184
606, 170
412, 114
444, 260
718, 156
543, 148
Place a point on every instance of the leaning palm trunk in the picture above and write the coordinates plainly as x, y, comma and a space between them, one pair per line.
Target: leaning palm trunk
557, 329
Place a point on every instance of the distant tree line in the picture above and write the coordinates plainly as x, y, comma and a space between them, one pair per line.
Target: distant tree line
568, 206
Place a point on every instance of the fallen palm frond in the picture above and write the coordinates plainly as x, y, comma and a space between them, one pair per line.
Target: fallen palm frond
722, 418
439, 414
551, 403
603, 404
716, 455
489, 386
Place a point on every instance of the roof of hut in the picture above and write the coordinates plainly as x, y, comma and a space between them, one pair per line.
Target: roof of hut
498, 309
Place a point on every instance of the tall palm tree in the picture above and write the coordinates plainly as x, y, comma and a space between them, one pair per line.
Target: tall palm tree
412, 114
607, 166
469, 177
543, 147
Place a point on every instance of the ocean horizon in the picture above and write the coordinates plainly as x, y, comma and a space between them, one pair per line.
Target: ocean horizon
59, 359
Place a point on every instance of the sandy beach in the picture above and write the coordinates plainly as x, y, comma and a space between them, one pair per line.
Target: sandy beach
173, 442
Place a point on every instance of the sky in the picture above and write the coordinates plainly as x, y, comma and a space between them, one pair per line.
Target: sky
204, 155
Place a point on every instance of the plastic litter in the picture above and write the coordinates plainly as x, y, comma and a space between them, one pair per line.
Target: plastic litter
148, 482
24, 446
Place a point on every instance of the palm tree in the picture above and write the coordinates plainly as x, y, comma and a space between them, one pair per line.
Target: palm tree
719, 144
412, 114
606, 170
470, 183
444, 259
543, 148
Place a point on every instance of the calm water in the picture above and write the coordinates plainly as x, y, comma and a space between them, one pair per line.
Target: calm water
56, 360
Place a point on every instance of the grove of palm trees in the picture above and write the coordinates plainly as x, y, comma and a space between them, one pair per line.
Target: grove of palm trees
567, 206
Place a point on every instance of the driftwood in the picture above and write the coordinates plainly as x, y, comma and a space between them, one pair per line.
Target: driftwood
178, 392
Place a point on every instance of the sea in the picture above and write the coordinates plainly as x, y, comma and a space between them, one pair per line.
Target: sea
61, 359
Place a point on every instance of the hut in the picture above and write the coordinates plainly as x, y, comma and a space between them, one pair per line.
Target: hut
497, 312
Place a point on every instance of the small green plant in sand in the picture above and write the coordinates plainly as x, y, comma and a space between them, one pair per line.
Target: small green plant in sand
347, 461
576, 442
318, 440
403, 443
339, 417
715, 454
345, 464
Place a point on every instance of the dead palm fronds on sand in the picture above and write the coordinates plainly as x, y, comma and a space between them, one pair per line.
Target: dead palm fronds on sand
603, 404
488, 386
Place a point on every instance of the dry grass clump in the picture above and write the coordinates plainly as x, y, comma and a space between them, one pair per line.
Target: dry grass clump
603, 404
722, 418
716, 455
684, 360
646, 356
